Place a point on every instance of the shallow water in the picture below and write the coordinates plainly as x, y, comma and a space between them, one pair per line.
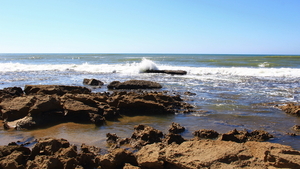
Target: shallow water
230, 90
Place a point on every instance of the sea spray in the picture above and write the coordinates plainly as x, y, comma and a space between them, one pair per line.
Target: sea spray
147, 64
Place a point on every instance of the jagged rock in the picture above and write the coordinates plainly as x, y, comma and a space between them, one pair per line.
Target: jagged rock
92, 82
55, 89
206, 134
134, 84
243, 136
173, 138
176, 128
144, 134
291, 108
116, 159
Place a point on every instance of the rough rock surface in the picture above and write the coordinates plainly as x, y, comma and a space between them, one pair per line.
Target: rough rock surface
92, 82
291, 108
218, 154
46, 104
171, 152
204, 133
134, 84
243, 136
176, 128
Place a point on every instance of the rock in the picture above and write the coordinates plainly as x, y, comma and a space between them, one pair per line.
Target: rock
134, 84
176, 128
144, 135
55, 89
149, 156
52, 104
206, 134
243, 136
116, 159
218, 154
291, 108
296, 127
173, 138
48, 146
16, 108
172, 72
189, 94
92, 82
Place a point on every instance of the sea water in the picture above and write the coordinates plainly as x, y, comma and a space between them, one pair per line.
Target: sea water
231, 90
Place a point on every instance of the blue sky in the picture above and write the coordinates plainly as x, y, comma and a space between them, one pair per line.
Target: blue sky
153, 26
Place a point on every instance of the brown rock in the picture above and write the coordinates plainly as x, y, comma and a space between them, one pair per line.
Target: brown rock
134, 84
116, 159
176, 128
206, 134
92, 82
144, 134
48, 146
55, 89
296, 127
173, 138
291, 108
16, 108
243, 136
218, 154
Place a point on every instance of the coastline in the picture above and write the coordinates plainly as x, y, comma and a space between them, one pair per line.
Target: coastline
60, 100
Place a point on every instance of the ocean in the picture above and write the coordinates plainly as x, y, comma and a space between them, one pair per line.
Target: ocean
231, 91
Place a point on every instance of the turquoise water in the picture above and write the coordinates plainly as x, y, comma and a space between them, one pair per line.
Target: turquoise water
230, 89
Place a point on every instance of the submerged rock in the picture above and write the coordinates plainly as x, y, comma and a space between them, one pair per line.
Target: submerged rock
243, 136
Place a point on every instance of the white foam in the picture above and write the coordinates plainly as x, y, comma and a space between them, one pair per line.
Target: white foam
147, 64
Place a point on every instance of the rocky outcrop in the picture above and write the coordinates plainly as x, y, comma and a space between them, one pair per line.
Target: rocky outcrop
172, 72
134, 84
45, 104
93, 82
218, 154
54, 89
243, 136
291, 108
155, 151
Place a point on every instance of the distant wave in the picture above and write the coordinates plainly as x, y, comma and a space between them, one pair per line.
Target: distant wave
136, 68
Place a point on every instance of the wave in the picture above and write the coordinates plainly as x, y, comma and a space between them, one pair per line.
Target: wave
145, 64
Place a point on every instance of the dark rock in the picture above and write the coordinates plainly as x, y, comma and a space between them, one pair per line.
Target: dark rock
189, 93
206, 134
55, 89
134, 84
172, 72
48, 146
173, 138
92, 82
243, 136
176, 128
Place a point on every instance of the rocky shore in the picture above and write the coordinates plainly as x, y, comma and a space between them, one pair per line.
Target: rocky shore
43, 105
150, 148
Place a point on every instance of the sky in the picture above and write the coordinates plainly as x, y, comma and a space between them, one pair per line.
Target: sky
150, 26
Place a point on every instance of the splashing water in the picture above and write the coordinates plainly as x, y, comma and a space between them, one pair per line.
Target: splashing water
147, 64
